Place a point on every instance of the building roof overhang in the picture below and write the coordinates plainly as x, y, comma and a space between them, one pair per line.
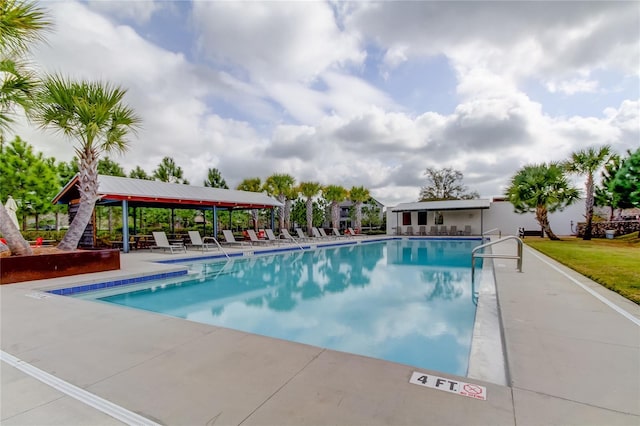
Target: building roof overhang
474, 204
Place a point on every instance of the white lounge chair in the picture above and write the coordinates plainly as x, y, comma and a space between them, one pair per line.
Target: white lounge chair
253, 238
231, 240
162, 242
301, 235
317, 235
337, 234
324, 235
352, 232
272, 237
201, 243
287, 236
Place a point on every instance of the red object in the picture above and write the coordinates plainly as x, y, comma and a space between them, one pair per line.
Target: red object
261, 233
3, 241
38, 241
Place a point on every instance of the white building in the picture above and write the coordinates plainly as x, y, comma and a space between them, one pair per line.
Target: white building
473, 217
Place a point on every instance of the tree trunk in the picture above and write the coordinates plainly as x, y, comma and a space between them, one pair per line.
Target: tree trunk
589, 208
281, 212
335, 214
15, 241
309, 215
37, 221
254, 217
543, 220
287, 213
359, 216
88, 188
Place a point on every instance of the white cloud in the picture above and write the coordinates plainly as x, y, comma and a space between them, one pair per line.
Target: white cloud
137, 11
578, 85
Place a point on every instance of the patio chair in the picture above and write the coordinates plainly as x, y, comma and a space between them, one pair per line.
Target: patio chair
272, 237
324, 235
231, 240
443, 230
287, 236
467, 230
352, 232
253, 238
453, 230
337, 234
199, 242
162, 242
422, 230
434, 230
301, 235
409, 230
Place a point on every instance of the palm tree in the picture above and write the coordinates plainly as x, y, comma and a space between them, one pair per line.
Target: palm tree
335, 194
587, 162
279, 186
542, 189
251, 185
21, 23
308, 191
93, 114
359, 194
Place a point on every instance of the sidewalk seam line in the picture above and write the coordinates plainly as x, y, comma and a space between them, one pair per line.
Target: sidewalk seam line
88, 398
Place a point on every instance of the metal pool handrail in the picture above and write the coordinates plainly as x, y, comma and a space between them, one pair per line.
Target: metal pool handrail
491, 230
475, 255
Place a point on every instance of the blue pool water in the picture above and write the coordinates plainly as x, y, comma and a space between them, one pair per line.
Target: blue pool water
406, 301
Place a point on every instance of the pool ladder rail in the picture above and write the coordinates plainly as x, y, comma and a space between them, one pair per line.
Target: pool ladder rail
475, 255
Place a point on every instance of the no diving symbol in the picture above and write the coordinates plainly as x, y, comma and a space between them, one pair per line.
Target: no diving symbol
472, 389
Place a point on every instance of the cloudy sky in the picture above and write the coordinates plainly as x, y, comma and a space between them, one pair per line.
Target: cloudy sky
356, 93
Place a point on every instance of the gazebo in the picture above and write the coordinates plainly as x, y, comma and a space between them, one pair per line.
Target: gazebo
128, 192
452, 212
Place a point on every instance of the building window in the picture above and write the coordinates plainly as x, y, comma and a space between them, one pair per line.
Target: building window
439, 219
422, 218
406, 218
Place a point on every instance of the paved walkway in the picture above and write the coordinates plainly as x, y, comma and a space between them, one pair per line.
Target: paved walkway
572, 359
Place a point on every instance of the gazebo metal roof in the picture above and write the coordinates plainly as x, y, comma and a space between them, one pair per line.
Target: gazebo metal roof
149, 193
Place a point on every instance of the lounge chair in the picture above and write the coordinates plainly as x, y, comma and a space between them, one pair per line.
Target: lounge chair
409, 230
301, 235
453, 230
288, 236
352, 232
162, 242
201, 243
317, 235
443, 230
467, 230
253, 238
231, 240
324, 235
337, 234
422, 230
271, 237
434, 230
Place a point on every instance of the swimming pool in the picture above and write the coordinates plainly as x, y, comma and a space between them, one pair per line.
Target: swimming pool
406, 301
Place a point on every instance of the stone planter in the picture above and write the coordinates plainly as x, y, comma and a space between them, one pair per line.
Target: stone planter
609, 234
42, 266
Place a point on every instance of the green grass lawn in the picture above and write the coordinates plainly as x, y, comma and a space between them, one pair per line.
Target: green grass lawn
613, 263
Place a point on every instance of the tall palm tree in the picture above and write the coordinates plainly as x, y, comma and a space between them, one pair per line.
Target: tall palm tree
308, 191
94, 115
335, 194
587, 162
21, 23
542, 189
251, 185
280, 185
359, 194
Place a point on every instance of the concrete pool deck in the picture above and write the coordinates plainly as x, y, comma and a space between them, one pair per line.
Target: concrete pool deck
572, 359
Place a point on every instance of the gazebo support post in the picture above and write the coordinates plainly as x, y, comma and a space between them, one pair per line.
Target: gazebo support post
125, 226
